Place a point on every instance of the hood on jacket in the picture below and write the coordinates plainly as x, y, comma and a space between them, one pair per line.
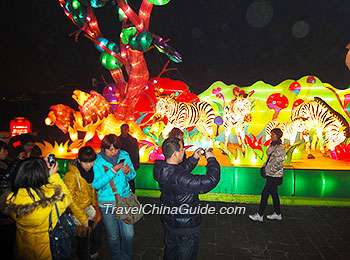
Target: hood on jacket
74, 163
25, 209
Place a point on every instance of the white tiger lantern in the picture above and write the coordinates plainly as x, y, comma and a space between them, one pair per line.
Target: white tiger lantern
236, 115
183, 114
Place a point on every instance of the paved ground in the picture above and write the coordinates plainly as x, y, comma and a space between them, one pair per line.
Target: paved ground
304, 233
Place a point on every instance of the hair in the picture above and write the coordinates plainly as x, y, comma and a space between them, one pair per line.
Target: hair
124, 125
175, 132
86, 154
27, 138
110, 140
36, 151
170, 145
3, 145
278, 132
32, 174
17, 150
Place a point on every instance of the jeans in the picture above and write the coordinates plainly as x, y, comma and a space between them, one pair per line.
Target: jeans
181, 247
95, 239
116, 229
271, 187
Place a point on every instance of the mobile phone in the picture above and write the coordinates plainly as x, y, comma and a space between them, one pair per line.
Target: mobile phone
121, 161
51, 159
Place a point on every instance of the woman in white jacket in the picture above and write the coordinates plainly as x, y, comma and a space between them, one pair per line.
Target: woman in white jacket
274, 177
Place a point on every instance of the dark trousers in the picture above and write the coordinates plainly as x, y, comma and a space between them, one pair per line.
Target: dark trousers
89, 244
180, 247
271, 187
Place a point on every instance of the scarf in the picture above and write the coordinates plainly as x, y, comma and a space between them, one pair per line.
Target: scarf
111, 160
87, 175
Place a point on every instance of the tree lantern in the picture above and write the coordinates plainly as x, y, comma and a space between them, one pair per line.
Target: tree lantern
20, 125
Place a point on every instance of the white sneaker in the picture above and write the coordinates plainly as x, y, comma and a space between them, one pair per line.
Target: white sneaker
256, 217
275, 216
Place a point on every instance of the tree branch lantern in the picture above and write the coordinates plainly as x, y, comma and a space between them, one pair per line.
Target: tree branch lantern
135, 39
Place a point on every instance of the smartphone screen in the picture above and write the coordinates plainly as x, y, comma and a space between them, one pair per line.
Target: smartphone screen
121, 161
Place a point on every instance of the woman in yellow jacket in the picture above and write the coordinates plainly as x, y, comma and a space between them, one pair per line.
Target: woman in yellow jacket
35, 189
86, 215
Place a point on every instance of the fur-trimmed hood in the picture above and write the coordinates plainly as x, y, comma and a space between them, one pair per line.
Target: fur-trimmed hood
20, 210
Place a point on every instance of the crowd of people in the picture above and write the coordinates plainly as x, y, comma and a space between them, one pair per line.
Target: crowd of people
31, 187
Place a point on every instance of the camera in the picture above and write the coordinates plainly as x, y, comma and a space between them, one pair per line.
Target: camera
202, 153
51, 159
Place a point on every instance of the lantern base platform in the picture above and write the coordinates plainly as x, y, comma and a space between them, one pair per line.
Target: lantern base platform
255, 199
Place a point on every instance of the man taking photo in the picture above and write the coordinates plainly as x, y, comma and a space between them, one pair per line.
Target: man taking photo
178, 188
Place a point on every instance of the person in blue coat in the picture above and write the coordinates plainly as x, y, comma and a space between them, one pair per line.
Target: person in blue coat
114, 165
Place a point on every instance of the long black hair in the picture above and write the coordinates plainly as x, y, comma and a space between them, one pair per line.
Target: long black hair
278, 132
32, 174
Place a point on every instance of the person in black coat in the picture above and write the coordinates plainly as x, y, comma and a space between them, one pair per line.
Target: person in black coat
179, 191
130, 145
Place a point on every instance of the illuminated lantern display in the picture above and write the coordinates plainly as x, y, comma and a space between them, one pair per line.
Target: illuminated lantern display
297, 103
145, 107
347, 58
311, 80
134, 100
295, 87
277, 102
237, 114
20, 125
135, 38
199, 114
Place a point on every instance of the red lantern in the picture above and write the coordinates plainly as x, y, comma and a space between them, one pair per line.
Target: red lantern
20, 125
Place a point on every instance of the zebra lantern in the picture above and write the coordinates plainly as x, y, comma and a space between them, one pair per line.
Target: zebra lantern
236, 115
183, 115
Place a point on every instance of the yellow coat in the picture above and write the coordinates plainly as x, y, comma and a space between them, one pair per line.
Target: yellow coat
82, 193
32, 218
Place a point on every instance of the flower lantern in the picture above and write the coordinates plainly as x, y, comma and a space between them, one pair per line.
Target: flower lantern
311, 80
295, 87
277, 102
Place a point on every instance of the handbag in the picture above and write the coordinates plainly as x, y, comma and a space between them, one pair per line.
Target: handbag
263, 172
61, 235
129, 209
262, 169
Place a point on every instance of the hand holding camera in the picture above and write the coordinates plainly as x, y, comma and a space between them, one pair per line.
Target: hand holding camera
51, 163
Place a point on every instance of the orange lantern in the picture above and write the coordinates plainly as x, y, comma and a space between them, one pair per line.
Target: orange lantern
20, 125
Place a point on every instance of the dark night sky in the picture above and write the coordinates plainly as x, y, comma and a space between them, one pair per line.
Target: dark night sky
238, 42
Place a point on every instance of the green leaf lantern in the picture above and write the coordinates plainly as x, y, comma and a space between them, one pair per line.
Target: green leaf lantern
159, 2
128, 33
107, 60
145, 39
78, 12
142, 41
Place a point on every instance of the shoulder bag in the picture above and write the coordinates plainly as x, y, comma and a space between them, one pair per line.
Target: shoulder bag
262, 169
129, 209
61, 235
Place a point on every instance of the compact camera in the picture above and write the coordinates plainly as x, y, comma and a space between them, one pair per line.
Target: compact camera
51, 159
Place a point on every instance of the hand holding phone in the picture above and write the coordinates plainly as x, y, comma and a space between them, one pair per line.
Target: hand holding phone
121, 161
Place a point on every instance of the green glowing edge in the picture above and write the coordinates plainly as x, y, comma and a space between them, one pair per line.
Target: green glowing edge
255, 199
